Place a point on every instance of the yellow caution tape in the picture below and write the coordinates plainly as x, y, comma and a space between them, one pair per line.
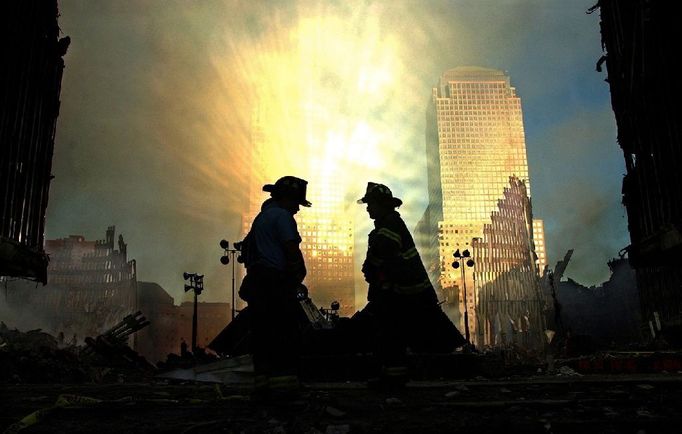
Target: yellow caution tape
64, 400
69, 400
29, 420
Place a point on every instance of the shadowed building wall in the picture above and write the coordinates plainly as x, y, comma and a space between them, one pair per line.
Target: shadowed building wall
641, 41
609, 313
30, 85
160, 337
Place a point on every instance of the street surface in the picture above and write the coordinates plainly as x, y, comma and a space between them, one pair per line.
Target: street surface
633, 403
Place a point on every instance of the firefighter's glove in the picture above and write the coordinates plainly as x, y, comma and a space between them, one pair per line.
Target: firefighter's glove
370, 272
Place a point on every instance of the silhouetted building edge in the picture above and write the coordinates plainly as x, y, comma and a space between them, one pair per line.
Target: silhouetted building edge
30, 84
640, 38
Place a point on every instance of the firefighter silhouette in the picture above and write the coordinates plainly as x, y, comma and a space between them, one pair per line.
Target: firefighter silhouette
403, 305
274, 270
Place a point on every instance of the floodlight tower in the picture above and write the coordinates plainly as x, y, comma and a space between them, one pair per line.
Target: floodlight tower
196, 284
465, 259
225, 259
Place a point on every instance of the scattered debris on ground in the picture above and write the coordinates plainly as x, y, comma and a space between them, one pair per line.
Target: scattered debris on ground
34, 357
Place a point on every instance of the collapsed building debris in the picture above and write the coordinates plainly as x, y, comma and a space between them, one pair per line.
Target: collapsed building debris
583, 320
91, 285
549, 282
38, 357
627, 362
509, 302
112, 344
600, 317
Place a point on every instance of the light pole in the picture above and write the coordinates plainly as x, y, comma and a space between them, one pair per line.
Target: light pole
225, 259
196, 284
466, 261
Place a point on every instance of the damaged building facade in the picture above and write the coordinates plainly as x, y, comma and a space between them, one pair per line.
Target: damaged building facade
507, 292
640, 39
30, 86
91, 286
475, 141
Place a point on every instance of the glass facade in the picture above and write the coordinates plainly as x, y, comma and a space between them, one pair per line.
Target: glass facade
475, 142
327, 232
539, 242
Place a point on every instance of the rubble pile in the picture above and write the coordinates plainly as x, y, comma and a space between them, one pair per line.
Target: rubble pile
35, 357
628, 362
187, 359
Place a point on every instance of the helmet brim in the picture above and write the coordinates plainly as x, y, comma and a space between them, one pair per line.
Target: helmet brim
272, 188
394, 201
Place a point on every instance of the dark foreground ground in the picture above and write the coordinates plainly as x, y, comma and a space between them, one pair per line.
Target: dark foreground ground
627, 403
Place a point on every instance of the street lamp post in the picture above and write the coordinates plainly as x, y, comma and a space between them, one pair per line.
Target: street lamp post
225, 259
196, 284
466, 261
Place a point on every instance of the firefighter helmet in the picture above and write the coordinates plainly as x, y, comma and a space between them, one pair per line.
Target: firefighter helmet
380, 193
289, 186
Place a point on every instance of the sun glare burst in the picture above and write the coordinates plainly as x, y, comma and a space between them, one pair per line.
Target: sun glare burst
320, 85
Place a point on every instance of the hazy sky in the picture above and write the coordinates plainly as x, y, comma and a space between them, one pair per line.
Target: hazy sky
158, 99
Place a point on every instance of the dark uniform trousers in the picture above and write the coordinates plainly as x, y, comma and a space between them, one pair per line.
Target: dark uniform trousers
401, 297
399, 319
275, 325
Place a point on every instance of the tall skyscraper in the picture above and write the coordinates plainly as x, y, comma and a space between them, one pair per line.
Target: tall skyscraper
474, 143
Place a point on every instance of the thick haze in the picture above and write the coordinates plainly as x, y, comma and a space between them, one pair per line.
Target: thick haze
158, 100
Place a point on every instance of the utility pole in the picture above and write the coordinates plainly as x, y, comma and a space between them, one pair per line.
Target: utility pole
196, 284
